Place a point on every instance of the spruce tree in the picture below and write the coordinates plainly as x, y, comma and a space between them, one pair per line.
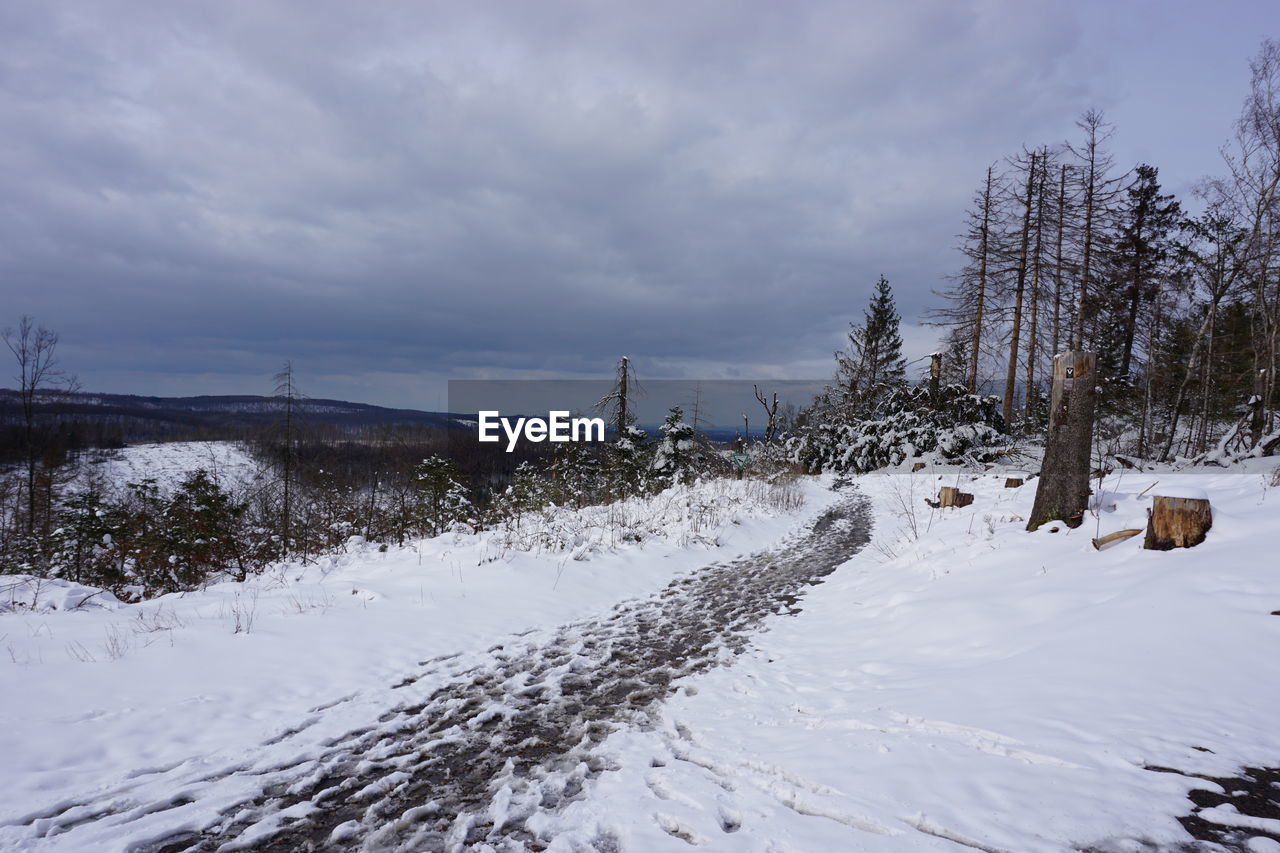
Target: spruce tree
1139, 259
442, 499
673, 459
873, 360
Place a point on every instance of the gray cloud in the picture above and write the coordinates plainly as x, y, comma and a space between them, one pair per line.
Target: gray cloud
393, 194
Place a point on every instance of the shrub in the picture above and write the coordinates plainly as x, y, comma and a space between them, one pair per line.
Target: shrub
907, 423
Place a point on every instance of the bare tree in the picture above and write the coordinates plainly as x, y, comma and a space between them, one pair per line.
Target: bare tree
1217, 273
1097, 191
1027, 202
286, 391
696, 420
1061, 213
617, 404
1251, 196
35, 353
969, 297
1037, 256
770, 411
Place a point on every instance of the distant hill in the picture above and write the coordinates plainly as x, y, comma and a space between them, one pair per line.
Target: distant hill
139, 418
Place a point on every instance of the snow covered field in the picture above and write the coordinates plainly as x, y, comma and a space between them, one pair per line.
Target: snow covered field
959, 684
978, 687
168, 463
99, 696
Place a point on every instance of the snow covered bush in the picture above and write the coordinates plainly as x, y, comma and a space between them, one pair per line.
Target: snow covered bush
443, 501
683, 514
627, 463
150, 542
674, 460
907, 424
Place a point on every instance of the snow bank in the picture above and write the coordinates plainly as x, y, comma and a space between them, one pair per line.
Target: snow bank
153, 697
965, 684
39, 595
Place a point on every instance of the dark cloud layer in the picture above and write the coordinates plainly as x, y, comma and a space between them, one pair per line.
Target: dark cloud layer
393, 194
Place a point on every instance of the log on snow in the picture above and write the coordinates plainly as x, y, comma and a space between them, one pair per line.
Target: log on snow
1112, 538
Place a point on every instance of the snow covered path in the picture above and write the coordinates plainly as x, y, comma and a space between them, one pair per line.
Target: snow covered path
481, 748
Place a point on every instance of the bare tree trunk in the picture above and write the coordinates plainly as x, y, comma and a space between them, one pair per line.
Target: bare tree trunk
1182, 387
1011, 375
984, 249
1086, 256
1062, 492
1034, 332
34, 351
1058, 261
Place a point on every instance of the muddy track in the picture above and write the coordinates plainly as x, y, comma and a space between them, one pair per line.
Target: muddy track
481, 748
484, 758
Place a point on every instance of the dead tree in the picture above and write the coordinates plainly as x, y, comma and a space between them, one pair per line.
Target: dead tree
286, 391
770, 411
1033, 333
1062, 492
1027, 201
617, 404
1097, 193
35, 355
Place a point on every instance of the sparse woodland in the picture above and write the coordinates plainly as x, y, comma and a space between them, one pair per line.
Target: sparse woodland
1062, 249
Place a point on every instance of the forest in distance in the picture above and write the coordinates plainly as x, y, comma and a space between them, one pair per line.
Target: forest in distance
1062, 249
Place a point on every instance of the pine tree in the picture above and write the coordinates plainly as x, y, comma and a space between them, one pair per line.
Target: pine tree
442, 499
674, 457
873, 360
1142, 249
627, 463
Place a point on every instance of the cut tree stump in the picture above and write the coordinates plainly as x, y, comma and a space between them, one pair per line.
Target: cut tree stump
1177, 522
1013, 482
949, 496
919, 466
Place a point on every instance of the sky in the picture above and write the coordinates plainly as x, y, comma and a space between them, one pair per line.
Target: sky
392, 195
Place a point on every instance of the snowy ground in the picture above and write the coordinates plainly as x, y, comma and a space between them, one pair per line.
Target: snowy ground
106, 706
959, 684
972, 686
168, 463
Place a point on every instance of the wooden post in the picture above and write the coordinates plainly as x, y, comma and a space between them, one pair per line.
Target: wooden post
1063, 489
935, 378
1177, 523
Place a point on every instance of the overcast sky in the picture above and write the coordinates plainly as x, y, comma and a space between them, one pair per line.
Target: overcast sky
396, 194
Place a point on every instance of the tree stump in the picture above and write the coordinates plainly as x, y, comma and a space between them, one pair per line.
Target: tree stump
919, 466
1012, 482
951, 496
1177, 522
1063, 491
